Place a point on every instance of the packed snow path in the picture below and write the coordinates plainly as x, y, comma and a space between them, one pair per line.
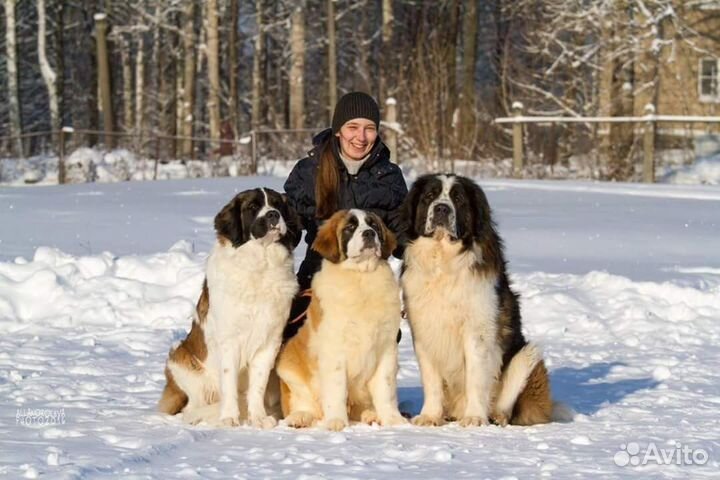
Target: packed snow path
620, 285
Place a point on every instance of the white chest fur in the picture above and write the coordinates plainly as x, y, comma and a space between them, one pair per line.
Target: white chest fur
360, 314
446, 299
251, 288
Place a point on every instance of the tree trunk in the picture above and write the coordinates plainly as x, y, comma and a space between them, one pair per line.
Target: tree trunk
104, 77
386, 61
12, 77
257, 83
213, 59
59, 14
166, 88
452, 100
332, 60
188, 89
233, 67
297, 69
139, 92
467, 112
127, 99
48, 74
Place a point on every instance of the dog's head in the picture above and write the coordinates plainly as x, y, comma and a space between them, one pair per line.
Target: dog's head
259, 214
447, 205
354, 236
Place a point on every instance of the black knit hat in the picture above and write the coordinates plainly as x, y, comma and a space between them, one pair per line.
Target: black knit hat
355, 105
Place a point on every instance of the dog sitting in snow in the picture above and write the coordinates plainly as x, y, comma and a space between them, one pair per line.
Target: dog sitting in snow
342, 364
475, 363
226, 359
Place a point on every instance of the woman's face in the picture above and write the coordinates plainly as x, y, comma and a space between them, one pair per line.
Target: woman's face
357, 136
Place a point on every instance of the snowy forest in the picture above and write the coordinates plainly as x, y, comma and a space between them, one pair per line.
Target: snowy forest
188, 73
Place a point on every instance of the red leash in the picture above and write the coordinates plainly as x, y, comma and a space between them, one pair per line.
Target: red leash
304, 293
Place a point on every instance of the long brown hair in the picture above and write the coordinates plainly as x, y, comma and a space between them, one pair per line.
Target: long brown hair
327, 182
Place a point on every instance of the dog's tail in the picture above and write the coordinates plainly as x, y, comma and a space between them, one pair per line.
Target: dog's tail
515, 377
526, 375
173, 399
562, 412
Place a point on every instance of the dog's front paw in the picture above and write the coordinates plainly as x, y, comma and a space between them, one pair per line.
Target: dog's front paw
394, 420
264, 422
473, 421
427, 421
501, 419
300, 419
230, 421
369, 416
335, 424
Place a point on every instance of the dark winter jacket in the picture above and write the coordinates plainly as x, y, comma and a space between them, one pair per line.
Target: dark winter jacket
379, 186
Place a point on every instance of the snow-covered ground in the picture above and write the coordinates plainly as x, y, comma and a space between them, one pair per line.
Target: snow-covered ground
620, 284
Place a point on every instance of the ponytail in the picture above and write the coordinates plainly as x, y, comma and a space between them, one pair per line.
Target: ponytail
327, 182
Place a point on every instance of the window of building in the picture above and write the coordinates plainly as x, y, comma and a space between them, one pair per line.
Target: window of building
709, 91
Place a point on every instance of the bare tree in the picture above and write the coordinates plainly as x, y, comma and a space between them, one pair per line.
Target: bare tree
297, 68
12, 76
331, 59
213, 58
48, 74
188, 83
467, 106
257, 76
233, 65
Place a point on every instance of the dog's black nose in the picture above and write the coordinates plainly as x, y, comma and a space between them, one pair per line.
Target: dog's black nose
273, 216
368, 234
442, 210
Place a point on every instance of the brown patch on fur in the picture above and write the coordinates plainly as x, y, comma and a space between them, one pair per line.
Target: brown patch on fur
295, 362
203, 304
314, 313
388, 240
534, 405
191, 353
223, 240
326, 242
173, 399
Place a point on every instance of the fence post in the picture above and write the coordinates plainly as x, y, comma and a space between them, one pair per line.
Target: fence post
517, 108
649, 145
391, 121
253, 160
157, 156
61, 156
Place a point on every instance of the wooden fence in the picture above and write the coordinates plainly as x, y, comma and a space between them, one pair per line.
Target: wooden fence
649, 122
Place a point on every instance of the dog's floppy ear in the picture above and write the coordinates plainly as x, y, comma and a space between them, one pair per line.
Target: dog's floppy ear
228, 222
293, 223
388, 241
326, 243
408, 209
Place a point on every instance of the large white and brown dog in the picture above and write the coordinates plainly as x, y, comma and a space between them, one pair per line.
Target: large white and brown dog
226, 359
342, 364
475, 364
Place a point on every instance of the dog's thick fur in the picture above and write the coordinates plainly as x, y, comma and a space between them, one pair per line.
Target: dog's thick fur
223, 365
342, 364
475, 364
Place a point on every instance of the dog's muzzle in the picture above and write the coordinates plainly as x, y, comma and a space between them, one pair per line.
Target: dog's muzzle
273, 218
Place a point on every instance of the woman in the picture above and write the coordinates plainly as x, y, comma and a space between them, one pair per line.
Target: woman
348, 167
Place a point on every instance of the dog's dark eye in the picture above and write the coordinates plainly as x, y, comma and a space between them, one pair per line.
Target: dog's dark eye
253, 207
349, 228
429, 196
